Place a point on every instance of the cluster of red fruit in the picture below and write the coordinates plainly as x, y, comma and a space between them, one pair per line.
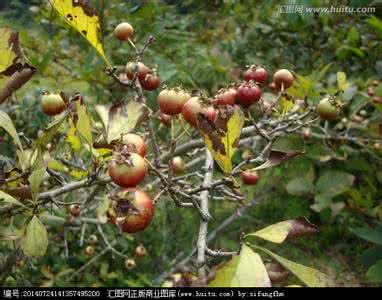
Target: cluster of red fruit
148, 78
132, 209
177, 101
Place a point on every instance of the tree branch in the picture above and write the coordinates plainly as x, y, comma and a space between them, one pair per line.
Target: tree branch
202, 242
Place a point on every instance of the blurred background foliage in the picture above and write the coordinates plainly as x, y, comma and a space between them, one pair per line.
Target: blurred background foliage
206, 45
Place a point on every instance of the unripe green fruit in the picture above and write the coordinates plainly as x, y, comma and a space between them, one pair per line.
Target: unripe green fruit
327, 110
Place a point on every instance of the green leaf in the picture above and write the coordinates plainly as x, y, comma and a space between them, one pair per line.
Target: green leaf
376, 24
83, 124
9, 199
368, 234
353, 37
309, 276
50, 131
289, 229
35, 241
299, 186
375, 272
341, 81
333, 183
35, 180
102, 208
7, 124
243, 270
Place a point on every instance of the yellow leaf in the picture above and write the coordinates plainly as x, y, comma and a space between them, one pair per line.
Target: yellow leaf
289, 229
78, 174
286, 105
244, 270
72, 137
56, 165
9, 48
222, 136
83, 124
341, 81
4, 197
121, 118
81, 16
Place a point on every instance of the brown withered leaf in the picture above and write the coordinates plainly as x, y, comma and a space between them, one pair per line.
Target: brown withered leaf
276, 272
277, 157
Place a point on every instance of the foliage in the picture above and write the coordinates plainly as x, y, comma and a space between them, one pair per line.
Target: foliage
334, 178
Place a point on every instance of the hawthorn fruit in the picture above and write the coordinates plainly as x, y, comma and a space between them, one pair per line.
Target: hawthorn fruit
177, 165
249, 177
140, 251
283, 78
130, 264
248, 94
171, 101
226, 97
327, 109
127, 169
135, 144
132, 210
123, 31
52, 104
139, 67
150, 82
256, 74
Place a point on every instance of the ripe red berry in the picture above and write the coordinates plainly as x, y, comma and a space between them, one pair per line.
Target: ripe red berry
165, 119
249, 177
171, 101
283, 78
306, 133
140, 251
177, 165
123, 31
370, 91
52, 104
327, 110
151, 82
75, 210
191, 109
248, 94
226, 97
139, 67
127, 169
210, 113
133, 210
135, 143
257, 74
